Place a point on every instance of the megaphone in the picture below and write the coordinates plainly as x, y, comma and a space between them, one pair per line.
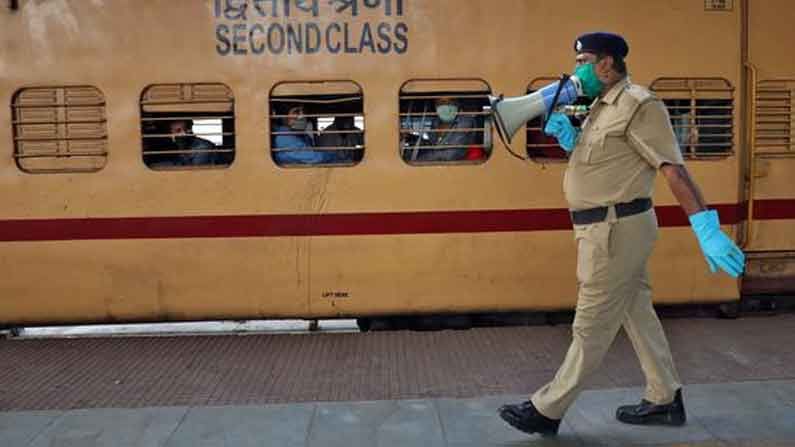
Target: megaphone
512, 113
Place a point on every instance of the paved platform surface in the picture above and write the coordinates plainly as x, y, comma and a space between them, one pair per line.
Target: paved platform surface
385, 389
729, 414
228, 370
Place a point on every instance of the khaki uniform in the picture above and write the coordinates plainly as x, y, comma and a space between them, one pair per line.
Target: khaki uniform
625, 139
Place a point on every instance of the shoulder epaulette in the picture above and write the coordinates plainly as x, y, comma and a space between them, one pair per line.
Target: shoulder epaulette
638, 93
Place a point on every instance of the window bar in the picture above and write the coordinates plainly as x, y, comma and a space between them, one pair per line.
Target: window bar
322, 115
407, 115
169, 135
451, 146
315, 132
462, 130
188, 151
465, 96
315, 101
319, 148
179, 103
178, 118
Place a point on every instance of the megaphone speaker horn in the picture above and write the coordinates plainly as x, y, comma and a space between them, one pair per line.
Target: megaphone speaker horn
510, 114
494, 102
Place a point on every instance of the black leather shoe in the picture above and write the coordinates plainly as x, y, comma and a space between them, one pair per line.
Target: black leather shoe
526, 418
647, 413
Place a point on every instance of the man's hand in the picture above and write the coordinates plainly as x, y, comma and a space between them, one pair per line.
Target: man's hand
560, 127
719, 250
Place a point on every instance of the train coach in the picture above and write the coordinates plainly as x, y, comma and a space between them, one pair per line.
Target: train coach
240, 159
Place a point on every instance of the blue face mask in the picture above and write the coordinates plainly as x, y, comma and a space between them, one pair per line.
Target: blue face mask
591, 85
447, 113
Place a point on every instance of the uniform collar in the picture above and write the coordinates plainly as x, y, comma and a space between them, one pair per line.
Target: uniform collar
614, 92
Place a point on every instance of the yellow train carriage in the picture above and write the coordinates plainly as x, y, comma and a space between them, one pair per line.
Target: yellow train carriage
108, 215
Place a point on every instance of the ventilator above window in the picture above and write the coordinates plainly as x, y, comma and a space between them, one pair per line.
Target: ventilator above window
445, 122
317, 124
187, 126
59, 129
702, 111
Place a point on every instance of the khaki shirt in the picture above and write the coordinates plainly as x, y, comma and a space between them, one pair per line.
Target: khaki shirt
626, 138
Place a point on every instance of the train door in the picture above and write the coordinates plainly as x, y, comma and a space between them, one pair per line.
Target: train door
770, 240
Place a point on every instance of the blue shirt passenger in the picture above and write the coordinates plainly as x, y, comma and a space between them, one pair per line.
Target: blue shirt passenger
297, 144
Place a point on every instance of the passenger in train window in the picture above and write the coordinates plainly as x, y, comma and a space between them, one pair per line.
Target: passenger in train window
343, 133
293, 137
184, 140
685, 129
702, 127
447, 133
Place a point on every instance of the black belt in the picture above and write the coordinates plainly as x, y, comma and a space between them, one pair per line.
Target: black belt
599, 214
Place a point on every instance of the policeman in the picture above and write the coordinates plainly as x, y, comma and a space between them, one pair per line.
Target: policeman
608, 184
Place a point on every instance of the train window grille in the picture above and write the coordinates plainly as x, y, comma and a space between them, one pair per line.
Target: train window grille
426, 141
59, 129
188, 126
774, 110
701, 112
317, 124
542, 147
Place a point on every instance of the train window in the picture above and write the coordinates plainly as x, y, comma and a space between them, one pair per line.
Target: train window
701, 111
445, 122
318, 123
775, 116
188, 126
59, 129
542, 147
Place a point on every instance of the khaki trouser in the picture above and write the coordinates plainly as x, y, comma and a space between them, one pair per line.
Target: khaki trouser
613, 291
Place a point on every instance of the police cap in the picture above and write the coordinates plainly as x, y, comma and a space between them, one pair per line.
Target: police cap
602, 43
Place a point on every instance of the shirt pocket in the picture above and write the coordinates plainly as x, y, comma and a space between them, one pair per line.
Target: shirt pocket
605, 146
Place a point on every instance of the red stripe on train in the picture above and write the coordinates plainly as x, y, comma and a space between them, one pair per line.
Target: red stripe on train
774, 209
432, 222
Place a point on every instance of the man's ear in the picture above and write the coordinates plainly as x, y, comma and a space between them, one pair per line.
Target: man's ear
605, 64
603, 68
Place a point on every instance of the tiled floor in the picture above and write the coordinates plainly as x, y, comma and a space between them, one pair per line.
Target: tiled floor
719, 415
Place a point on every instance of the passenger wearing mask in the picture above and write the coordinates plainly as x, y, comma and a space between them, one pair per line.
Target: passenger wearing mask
343, 133
184, 140
451, 124
296, 142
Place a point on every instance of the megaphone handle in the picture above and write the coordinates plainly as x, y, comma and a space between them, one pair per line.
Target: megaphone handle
563, 79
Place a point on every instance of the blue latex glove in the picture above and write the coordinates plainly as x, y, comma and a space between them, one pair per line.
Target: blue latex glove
560, 127
719, 250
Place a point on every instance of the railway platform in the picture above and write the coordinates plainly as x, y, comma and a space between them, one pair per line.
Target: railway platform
398, 388
722, 415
